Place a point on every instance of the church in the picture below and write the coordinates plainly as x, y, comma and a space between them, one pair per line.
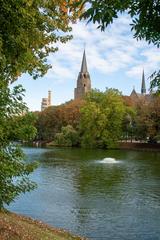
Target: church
84, 86
134, 95
83, 81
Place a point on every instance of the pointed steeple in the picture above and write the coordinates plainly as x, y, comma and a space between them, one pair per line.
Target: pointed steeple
84, 63
143, 88
83, 81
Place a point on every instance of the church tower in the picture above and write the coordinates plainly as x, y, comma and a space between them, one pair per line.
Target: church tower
83, 81
143, 87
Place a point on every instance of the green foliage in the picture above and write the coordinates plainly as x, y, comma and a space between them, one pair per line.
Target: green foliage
25, 127
13, 174
13, 171
101, 119
155, 82
29, 31
145, 16
67, 137
128, 123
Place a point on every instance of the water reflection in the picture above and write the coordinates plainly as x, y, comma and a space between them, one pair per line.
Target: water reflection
101, 201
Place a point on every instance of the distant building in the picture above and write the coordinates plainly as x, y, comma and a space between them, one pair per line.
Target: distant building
46, 102
49, 98
136, 96
83, 81
143, 87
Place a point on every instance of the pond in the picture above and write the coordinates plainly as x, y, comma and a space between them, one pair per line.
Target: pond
99, 194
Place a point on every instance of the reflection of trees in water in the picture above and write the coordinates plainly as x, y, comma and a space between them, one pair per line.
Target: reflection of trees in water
98, 187
99, 178
80, 154
94, 192
90, 177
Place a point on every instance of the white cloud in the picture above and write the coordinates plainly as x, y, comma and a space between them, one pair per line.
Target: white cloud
149, 60
114, 55
107, 52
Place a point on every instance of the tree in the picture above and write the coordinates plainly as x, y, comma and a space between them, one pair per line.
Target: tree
145, 16
145, 20
28, 33
67, 137
101, 119
51, 120
47, 124
155, 82
148, 119
128, 125
13, 170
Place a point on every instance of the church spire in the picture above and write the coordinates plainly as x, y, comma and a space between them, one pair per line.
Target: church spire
143, 88
83, 81
84, 63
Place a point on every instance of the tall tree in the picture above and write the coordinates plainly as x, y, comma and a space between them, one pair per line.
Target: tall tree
67, 137
148, 119
28, 33
101, 119
144, 14
51, 120
14, 124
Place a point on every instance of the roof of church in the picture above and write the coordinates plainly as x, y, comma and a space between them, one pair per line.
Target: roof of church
84, 63
134, 93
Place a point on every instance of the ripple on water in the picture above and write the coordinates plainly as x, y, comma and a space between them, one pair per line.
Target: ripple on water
99, 194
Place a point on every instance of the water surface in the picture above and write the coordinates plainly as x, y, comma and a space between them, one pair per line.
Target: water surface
99, 194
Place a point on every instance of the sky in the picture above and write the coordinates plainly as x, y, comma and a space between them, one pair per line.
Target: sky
114, 58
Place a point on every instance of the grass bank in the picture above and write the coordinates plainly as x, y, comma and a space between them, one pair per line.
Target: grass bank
16, 227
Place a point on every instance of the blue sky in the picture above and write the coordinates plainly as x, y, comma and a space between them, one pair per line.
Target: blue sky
114, 59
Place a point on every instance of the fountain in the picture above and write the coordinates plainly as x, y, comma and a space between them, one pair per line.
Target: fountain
109, 160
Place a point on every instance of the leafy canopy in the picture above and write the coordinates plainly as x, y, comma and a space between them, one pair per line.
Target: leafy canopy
101, 119
29, 31
51, 120
67, 137
145, 16
13, 170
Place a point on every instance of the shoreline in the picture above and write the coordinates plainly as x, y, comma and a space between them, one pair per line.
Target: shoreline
16, 227
139, 146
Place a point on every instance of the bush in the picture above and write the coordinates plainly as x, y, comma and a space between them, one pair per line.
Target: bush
67, 137
13, 170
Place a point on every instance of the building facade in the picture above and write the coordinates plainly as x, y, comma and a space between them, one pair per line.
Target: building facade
46, 102
83, 81
135, 96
